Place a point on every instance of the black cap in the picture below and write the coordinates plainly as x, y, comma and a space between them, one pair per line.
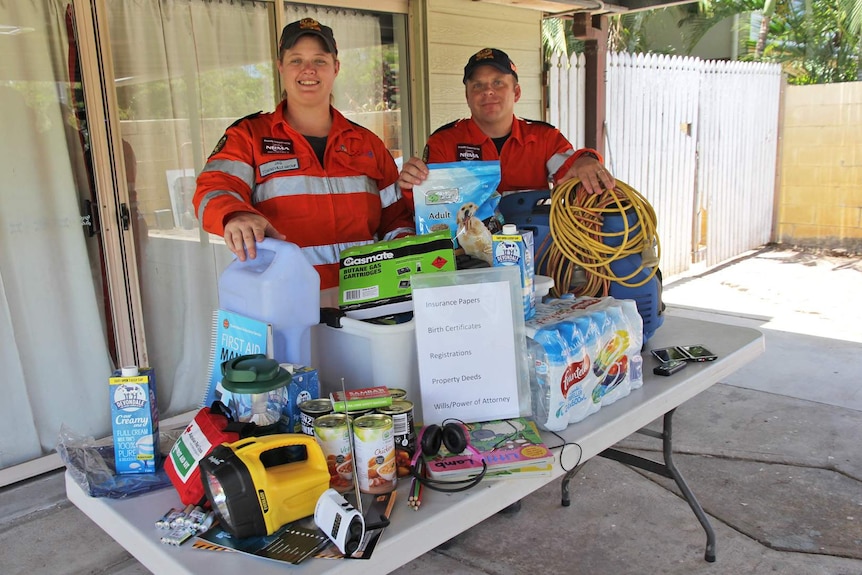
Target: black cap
293, 31
491, 57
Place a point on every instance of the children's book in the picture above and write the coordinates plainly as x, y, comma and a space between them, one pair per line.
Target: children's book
506, 445
233, 335
544, 469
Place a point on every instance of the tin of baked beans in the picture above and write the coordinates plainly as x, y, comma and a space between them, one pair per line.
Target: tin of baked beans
374, 453
310, 410
332, 432
404, 433
397, 393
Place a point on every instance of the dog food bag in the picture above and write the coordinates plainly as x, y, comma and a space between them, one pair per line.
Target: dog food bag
461, 197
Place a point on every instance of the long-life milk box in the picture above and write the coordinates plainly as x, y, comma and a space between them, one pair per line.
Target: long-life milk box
303, 386
135, 420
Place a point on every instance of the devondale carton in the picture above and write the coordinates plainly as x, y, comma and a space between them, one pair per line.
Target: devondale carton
305, 385
135, 420
515, 248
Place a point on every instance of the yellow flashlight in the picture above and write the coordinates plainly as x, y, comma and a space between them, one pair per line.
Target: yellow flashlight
258, 484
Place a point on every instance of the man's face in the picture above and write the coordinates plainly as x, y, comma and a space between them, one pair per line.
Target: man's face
491, 95
308, 71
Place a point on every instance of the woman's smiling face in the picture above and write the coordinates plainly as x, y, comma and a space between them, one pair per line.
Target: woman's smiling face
308, 71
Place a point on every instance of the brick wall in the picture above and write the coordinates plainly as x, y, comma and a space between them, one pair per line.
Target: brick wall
820, 199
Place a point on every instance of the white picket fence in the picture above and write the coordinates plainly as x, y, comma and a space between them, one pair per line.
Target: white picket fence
698, 139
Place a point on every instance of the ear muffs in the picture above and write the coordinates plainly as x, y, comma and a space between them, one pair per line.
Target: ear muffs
451, 435
431, 440
454, 438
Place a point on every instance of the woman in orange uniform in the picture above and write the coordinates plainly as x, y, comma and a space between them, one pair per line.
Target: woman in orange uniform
303, 173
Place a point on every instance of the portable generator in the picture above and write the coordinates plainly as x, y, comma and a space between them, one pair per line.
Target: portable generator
531, 210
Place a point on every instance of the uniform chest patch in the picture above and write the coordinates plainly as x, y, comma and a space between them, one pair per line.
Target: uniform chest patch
468, 153
274, 146
274, 166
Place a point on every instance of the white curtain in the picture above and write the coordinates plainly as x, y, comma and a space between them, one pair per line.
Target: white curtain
179, 67
359, 86
167, 55
54, 355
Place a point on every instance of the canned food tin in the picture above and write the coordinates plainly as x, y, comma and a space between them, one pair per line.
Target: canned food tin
397, 393
310, 410
332, 432
374, 453
354, 413
404, 433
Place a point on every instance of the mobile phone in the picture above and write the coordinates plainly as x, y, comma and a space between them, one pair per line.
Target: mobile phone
669, 367
698, 353
667, 354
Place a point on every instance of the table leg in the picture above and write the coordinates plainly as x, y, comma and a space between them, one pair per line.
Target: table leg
667, 469
570, 474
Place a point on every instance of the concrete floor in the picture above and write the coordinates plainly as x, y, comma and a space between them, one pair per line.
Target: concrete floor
772, 454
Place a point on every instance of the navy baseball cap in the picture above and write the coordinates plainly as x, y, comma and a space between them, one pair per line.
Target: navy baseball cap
293, 31
491, 57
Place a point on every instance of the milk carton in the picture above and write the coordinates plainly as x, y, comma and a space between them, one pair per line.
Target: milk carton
515, 248
135, 420
304, 385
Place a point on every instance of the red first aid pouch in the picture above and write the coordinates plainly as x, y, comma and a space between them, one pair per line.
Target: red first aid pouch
211, 426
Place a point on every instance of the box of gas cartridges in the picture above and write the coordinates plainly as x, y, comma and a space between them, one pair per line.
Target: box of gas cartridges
135, 420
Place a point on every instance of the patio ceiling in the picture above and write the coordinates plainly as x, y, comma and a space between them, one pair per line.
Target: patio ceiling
594, 7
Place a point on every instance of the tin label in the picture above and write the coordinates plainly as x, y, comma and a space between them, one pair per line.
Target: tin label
374, 450
311, 410
333, 435
404, 433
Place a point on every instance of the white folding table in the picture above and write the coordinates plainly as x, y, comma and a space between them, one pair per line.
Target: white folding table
131, 522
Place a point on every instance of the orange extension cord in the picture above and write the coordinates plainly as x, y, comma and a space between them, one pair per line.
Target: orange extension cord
576, 229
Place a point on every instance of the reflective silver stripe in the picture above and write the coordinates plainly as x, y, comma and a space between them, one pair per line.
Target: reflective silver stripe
391, 235
212, 195
556, 161
329, 254
241, 170
390, 195
297, 185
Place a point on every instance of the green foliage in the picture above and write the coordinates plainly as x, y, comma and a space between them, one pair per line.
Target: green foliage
221, 93
557, 37
816, 41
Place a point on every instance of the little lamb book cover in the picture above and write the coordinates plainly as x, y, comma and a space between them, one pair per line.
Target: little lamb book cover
505, 445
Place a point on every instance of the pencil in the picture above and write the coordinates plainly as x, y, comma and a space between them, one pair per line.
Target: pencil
418, 500
412, 492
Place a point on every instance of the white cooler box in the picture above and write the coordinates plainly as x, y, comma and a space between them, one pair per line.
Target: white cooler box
367, 355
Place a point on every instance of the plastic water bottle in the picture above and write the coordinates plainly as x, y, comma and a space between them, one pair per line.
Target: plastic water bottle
280, 287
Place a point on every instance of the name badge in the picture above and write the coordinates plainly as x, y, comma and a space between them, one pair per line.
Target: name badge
270, 168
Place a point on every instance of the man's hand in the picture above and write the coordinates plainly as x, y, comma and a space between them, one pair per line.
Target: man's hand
243, 229
592, 175
413, 173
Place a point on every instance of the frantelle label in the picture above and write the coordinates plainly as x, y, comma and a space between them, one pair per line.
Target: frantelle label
574, 374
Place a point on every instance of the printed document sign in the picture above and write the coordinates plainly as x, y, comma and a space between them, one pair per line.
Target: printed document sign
466, 350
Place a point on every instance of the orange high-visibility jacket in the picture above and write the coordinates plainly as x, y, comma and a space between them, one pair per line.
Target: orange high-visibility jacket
264, 166
535, 154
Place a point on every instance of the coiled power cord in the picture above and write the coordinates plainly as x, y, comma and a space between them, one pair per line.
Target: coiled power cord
576, 219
